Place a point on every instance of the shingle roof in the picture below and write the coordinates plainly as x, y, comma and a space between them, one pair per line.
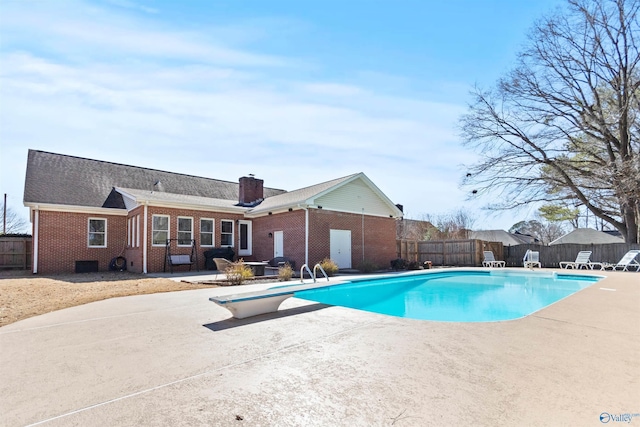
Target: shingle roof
507, 239
68, 180
180, 199
586, 236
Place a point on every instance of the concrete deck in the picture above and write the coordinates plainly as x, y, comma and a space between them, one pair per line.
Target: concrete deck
178, 359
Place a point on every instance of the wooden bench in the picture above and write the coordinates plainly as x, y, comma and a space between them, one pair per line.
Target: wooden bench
260, 302
180, 260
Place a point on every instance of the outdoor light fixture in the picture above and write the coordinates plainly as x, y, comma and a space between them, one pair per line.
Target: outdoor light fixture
270, 235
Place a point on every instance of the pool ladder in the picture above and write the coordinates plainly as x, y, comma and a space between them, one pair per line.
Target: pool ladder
312, 274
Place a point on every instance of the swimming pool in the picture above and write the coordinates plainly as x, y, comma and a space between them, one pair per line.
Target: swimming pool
454, 296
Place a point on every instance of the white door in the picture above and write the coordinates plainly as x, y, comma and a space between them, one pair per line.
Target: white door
278, 243
340, 247
245, 238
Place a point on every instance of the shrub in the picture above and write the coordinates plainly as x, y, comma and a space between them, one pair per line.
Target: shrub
285, 273
329, 267
399, 264
367, 266
238, 273
414, 265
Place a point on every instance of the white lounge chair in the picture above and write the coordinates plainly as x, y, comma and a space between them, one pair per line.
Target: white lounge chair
531, 259
582, 260
490, 260
627, 261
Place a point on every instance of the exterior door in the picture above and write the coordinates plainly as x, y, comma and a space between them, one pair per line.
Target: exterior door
245, 247
340, 247
278, 243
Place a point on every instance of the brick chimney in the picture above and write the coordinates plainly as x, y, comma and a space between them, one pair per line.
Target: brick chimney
250, 191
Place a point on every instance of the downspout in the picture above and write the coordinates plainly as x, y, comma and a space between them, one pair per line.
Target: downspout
363, 235
144, 247
306, 233
36, 236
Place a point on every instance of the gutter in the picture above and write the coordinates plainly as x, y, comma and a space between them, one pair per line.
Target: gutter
36, 236
146, 242
306, 233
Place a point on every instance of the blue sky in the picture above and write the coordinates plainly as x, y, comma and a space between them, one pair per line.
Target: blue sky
295, 92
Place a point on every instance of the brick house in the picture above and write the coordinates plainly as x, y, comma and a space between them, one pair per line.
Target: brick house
90, 211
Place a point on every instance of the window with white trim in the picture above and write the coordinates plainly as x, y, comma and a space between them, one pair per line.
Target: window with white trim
159, 230
133, 231
97, 233
206, 232
137, 231
185, 231
129, 232
226, 233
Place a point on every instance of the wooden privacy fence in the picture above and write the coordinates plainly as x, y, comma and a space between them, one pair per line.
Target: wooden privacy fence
448, 252
466, 253
15, 252
551, 256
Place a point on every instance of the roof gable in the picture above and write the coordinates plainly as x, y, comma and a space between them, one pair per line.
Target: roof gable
357, 196
351, 193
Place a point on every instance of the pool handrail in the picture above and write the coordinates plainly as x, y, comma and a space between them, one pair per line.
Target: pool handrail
322, 270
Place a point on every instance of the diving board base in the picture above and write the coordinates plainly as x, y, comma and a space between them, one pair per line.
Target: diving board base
248, 307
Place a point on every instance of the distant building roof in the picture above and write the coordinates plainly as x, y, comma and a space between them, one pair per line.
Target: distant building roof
507, 239
586, 236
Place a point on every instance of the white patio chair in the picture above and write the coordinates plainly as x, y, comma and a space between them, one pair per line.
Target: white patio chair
531, 259
627, 261
490, 260
582, 260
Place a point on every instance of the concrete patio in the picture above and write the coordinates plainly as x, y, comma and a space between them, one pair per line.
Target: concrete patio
178, 359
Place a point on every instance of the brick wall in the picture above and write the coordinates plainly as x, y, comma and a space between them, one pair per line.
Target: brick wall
156, 254
379, 236
292, 226
63, 240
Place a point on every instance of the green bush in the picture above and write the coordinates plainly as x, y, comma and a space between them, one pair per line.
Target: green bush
285, 273
238, 273
367, 266
329, 267
399, 264
414, 265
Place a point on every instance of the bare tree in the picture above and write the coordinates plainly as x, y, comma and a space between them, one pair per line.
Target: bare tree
544, 231
453, 225
14, 222
563, 125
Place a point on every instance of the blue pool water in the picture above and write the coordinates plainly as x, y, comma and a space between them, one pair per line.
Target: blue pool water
455, 296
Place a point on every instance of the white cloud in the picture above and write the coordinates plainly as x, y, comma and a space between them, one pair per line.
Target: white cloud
218, 111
